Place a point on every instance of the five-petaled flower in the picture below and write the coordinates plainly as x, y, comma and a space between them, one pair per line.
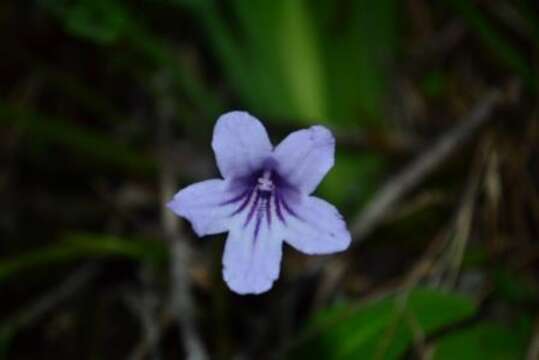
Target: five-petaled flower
264, 200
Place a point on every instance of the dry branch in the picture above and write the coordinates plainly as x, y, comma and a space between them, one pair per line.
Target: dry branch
395, 189
181, 304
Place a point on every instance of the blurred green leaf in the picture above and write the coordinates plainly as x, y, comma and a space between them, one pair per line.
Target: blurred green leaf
485, 340
359, 41
353, 179
514, 287
291, 60
382, 328
475, 256
260, 48
434, 83
252, 62
81, 246
228, 52
101, 21
302, 61
107, 21
186, 3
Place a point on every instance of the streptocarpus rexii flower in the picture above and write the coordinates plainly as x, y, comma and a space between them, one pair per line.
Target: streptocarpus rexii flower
264, 199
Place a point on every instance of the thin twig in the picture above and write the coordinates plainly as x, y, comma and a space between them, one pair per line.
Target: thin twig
181, 304
145, 303
464, 219
393, 191
391, 194
424, 351
533, 349
145, 306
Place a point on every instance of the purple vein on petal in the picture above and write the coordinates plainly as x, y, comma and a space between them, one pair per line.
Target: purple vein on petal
245, 202
253, 209
268, 210
278, 209
259, 216
235, 198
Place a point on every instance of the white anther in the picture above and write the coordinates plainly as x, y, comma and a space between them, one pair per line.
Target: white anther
264, 182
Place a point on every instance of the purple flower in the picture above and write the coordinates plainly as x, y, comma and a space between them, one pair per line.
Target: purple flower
264, 200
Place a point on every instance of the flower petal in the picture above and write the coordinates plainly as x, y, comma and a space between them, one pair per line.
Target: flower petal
305, 156
318, 228
251, 263
240, 143
204, 205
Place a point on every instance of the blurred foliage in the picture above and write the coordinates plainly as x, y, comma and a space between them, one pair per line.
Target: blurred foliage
75, 247
84, 142
106, 22
494, 39
86, 83
515, 287
383, 328
294, 61
353, 178
101, 21
484, 341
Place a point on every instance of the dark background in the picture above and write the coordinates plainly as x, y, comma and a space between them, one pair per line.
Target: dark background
107, 108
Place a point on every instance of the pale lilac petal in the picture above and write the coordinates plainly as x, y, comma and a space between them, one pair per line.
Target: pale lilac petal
264, 200
305, 156
317, 228
241, 144
202, 204
251, 264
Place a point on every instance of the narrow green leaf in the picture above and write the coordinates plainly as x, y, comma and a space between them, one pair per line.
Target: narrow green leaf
82, 246
86, 142
359, 44
302, 61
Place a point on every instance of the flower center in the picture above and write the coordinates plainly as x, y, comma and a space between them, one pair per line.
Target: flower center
264, 183
268, 197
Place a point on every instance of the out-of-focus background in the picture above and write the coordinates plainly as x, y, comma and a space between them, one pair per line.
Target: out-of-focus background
107, 108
